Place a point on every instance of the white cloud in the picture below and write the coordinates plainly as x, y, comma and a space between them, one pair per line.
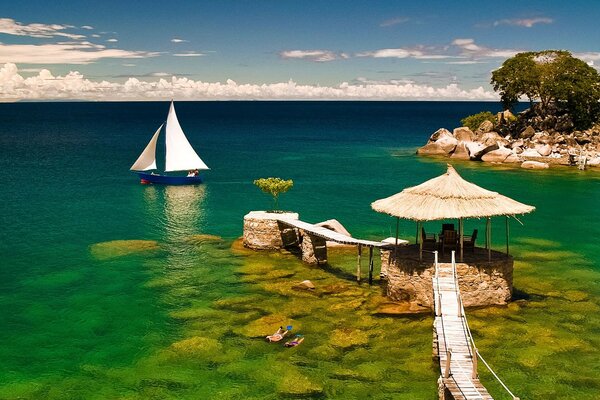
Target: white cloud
75, 86
311, 55
393, 21
189, 54
87, 27
469, 48
177, 40
418, 53
95, 35
160, 74
12, 27
524, 22
64, 53
128, 65
113, 40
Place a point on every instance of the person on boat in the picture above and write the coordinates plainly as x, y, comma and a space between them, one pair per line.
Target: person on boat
277, 336
295, 342
196, 173
191, 173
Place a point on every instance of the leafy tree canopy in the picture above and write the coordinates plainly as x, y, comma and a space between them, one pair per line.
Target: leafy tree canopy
554, 78
473, 121
274, 187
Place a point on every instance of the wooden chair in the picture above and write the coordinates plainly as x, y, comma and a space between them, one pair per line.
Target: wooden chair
429, 240
448, 241
447, 227
469, 241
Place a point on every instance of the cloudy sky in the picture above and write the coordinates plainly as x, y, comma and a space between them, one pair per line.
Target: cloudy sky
279, 49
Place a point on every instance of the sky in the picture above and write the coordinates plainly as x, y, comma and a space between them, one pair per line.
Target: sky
278, 49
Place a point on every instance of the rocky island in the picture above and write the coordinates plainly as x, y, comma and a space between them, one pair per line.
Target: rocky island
561, 126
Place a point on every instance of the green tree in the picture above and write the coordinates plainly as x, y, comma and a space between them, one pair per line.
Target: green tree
274, 187
557, 81
473, 121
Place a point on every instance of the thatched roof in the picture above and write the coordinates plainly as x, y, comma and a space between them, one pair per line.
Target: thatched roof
448, 197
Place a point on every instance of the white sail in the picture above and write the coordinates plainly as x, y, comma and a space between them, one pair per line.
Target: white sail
180, 154
147, 160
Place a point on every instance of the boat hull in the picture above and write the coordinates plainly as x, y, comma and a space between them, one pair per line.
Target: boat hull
169, 180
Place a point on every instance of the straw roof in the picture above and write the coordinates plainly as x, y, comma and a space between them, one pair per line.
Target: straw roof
448, 196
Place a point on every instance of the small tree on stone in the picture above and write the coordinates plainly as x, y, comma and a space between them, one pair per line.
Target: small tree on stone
274, 187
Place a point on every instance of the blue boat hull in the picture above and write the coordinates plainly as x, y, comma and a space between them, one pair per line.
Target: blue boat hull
169, 180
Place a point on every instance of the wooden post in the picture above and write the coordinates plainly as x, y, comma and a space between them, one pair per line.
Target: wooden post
488, 235
460, 229
358, 263
507, 235
448, 361
474, 354
396, 246
370, 265
419, 235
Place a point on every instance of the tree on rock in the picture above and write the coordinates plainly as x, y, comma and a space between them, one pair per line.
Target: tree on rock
553, 79
274, 187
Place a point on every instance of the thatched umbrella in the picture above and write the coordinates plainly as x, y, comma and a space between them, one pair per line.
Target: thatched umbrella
449, 196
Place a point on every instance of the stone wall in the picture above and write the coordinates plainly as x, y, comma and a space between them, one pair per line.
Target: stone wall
481, 282
262, 231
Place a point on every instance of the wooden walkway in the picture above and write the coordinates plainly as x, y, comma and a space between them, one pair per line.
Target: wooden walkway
333, 236
454, 340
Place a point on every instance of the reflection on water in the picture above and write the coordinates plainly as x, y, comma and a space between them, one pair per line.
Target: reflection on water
179, 209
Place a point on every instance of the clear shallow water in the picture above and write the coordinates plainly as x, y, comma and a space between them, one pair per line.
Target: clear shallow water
110, 289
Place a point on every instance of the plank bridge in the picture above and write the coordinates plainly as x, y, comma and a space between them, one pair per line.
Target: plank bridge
456, 350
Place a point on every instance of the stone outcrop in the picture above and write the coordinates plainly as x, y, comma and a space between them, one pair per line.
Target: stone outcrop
464, 134
314, 249
481, 284
534, 165
488, 145
263, 232
432, 149
497, 156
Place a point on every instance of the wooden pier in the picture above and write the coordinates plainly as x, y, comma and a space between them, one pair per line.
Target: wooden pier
456, 350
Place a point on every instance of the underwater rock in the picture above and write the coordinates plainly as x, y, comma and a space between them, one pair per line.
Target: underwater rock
293, 384
534, 165
198, 346
119, 248
203, 237
267, 325
348, 337
304, 285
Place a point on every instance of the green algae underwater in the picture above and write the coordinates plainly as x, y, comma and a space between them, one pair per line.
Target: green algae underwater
114, 290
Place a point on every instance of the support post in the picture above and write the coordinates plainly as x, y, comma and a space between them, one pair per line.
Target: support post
488, 236
460, 232
358, 263
419, 235
507, 235
370, 265
448, 361
397, 233
474, 374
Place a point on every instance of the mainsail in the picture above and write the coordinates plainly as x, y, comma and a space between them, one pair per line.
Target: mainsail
180, 154
147, 160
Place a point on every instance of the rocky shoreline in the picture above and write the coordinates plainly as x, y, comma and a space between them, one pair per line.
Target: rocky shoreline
530, 148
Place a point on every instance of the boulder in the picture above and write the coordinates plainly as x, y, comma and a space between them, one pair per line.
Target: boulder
541, 137
527, 133
496, 156
490, 138
594, 162
513, 158
304, 285
448, 143
517, 150
334, 225
438, 134
530, 153
432, 149
461, 152
544, 150
504, 116
485, 150
464, 134
534, 165
486, 126
517, 143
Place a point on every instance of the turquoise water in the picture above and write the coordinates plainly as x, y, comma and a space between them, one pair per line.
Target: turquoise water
111, 289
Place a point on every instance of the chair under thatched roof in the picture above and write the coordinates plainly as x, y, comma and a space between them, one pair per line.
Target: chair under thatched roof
448, 196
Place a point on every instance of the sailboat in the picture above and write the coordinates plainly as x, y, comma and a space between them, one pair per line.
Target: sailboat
180, 156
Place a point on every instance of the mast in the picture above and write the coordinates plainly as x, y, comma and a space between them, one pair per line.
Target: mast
180, 155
